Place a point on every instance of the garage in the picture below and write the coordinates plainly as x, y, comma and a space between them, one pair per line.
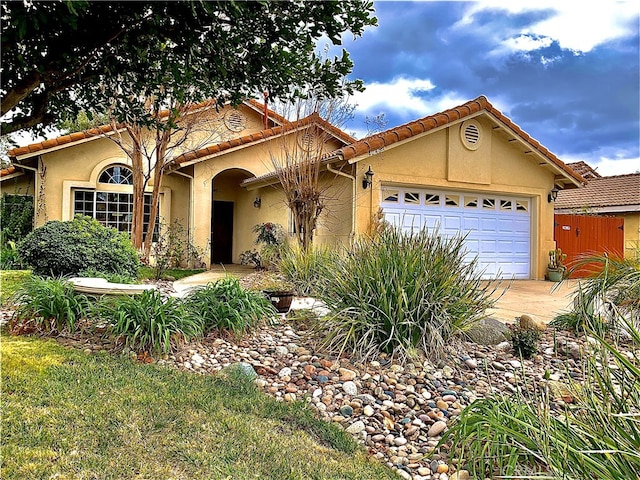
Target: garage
498, 227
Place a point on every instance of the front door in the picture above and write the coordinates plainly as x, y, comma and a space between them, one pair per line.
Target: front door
221, 232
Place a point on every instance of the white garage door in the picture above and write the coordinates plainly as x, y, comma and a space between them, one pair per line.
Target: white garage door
498, 227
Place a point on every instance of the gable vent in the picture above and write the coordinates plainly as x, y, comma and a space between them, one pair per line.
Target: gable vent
235, 121
470, 134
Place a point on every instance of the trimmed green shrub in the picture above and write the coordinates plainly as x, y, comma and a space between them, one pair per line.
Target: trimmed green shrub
50, 305
109, 277
524, 341
402, 293
227, 307
67, 248
149, 321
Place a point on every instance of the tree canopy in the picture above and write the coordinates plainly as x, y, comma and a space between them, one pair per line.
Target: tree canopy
64, 56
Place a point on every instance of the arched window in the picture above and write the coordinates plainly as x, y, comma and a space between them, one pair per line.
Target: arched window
110, 205
117, 175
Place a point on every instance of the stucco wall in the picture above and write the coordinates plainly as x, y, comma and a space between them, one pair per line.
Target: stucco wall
631, 235
18, 185
436, 160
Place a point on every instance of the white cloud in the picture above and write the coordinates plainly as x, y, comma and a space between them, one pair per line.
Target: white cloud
606, 166
401, 97
575, 25
616, 166
526, 43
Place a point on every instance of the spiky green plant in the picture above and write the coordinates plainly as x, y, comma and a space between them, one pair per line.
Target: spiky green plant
226, 306
598, 437
402, 293
149, 321
50, 305
306, 269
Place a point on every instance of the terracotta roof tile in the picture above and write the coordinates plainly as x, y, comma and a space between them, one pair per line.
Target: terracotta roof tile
7, 171
583, 169
389, 137
618, 190
95, 132
314, 118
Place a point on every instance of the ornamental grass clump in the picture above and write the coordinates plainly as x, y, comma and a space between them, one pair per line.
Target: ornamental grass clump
402, 293
595, 435
306, 269
149, 321
48, 305
226, 307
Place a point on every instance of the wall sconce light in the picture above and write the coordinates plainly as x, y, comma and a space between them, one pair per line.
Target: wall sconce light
367, 181
257, 202
553, 194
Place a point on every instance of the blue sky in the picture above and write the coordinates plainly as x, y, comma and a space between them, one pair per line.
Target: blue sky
566, 71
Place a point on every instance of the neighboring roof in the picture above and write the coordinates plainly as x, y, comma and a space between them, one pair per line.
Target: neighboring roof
584, 169
603, 192
94, 133
313, 119
384, 139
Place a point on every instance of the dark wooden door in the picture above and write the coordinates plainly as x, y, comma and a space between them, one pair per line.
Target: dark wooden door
222, 232
582, 235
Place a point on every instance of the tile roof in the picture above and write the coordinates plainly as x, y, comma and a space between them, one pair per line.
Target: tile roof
371, 144
64, 140
7, 171
384, 139
314, 118
583, 169
618, 190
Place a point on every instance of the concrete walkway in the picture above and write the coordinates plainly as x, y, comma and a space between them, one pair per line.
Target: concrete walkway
216, 273
543, 299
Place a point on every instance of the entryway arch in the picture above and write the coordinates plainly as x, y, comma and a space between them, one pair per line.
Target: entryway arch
231, 207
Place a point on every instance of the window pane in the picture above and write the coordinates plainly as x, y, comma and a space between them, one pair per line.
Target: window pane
432, 199
390, 195
117, 175
412, 198
470, 202
452, 200
506, 205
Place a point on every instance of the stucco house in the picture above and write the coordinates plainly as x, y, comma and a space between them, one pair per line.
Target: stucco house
616, 196
468, 169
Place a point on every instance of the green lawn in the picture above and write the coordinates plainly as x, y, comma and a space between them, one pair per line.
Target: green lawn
69, 415
175, 273
10, 281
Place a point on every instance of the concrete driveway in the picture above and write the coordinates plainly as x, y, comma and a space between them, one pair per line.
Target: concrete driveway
543, 299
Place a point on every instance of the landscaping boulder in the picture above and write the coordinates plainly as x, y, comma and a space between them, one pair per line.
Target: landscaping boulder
529, 322
488, 331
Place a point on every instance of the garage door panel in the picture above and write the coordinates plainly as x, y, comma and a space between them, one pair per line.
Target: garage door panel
487, 247
500, 238
470, 223
452, 223
488, 224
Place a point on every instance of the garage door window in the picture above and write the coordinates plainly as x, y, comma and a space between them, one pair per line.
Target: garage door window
452, 200
432, 199
390, 195
412, 198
